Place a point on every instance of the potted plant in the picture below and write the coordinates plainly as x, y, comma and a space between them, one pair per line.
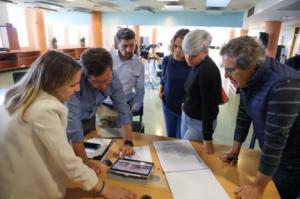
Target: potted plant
54, 43
82, 42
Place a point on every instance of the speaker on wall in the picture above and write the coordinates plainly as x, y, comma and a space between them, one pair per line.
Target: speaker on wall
264, 37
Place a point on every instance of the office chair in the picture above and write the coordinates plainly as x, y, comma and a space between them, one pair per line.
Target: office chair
138, 126
17, 76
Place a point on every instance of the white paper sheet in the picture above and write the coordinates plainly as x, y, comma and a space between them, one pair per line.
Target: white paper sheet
178, 155
91, 153
142, 153
195, 184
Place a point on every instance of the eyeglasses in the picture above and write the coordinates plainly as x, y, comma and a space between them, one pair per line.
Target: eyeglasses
229, 70
98, 83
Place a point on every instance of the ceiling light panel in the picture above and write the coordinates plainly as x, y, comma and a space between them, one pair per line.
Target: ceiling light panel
217, 3
173, 7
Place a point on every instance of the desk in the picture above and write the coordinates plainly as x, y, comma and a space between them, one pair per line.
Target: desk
228, 176
16, 58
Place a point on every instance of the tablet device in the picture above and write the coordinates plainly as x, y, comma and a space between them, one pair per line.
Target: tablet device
90, 145
134, 168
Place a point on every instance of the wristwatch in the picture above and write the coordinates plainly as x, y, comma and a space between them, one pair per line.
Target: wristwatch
128, 142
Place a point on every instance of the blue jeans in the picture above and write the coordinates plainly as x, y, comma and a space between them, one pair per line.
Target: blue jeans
287, 179
172, 122
191, 129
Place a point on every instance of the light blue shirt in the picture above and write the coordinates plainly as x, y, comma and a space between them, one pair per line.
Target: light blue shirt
83, 105
131, 73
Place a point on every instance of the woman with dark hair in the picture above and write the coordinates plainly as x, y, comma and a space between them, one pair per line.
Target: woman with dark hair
174, 73
35, 155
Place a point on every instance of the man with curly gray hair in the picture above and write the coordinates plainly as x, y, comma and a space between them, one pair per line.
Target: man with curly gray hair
270, 100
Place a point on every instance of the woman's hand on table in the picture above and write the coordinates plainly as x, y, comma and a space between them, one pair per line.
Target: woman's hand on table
209, 147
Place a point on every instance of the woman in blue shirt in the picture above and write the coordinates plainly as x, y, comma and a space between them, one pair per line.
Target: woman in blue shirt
174, 73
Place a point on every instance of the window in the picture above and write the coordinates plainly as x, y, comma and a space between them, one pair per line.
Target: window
73, 35
1, 43
68, 28
76, 32
59, 34
16, 16
84, 31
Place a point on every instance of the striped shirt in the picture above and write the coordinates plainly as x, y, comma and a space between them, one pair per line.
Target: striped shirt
282, 125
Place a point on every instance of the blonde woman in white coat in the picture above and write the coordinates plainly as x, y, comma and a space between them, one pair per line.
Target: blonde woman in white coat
35, 156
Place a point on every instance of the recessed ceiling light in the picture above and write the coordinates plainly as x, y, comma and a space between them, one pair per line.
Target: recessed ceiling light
287, 17
173, 7
217, 3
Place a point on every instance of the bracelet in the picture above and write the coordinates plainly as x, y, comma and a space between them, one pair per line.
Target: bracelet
103, 185
128, 142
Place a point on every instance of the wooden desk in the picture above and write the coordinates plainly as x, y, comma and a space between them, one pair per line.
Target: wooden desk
17, 58
229, 177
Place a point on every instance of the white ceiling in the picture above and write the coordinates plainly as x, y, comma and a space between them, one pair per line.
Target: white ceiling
130, 5
265, 10
275, 10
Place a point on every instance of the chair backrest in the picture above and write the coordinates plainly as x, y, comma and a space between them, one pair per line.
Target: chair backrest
138, 126
17, 76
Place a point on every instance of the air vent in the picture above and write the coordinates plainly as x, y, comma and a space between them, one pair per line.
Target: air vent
44, 8
8, 1
146, 8
251, 11
49, 3
214, 8
45, 5
82, 10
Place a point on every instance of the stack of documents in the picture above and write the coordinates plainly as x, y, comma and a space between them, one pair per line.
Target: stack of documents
178, 155
141, 153
186, 173
101, 151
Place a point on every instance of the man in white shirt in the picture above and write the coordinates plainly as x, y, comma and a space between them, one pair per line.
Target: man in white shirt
129, 69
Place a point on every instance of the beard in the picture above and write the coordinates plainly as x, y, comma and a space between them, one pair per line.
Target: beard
128, 56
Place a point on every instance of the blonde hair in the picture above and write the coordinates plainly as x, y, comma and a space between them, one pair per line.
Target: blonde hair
49, 72
179, 34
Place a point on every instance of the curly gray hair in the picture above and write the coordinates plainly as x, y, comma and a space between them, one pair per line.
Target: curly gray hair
246, 52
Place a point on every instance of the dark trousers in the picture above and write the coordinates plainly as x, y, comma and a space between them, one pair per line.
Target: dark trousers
287, 179
88, 125
172, 122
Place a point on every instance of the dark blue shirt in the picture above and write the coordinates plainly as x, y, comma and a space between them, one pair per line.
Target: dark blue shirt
272, 103
294, 62
173, 78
